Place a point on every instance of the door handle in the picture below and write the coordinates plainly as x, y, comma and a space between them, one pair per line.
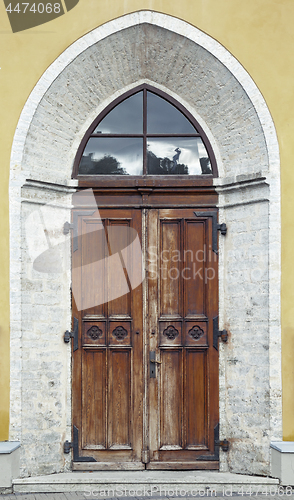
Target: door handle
152, 364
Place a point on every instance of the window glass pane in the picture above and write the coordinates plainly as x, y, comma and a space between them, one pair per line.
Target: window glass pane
164, 118
112, 156
125, 118
177, 156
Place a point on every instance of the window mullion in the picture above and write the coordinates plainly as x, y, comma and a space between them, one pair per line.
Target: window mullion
144, 132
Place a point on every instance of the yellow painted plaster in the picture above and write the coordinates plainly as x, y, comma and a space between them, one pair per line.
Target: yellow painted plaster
259, 33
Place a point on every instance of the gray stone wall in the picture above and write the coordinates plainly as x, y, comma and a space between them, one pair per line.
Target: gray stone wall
245, 391
45, 315
164, 53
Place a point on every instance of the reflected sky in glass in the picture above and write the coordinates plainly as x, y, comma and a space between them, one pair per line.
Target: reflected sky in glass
172, 152
125, 118
164, 118
112, 156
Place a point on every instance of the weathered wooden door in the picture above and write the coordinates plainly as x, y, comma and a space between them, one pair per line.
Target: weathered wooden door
145, 370
182, 304
107, 365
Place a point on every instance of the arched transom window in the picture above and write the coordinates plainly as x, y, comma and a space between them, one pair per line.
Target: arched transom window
145, 132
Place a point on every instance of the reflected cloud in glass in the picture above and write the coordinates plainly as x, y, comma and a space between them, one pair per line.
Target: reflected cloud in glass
177, 156
164, 118
112, 156
125, 118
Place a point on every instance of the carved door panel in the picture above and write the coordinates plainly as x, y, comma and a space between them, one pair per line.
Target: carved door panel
182, 303
107, 363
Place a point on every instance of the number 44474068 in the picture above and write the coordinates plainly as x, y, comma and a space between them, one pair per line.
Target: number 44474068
35, 8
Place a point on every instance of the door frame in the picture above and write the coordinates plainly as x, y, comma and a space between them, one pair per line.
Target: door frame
144, 194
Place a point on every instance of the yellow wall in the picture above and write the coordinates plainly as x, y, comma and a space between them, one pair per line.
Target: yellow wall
259, 33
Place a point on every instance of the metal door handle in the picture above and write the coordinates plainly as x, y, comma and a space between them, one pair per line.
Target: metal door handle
152, 364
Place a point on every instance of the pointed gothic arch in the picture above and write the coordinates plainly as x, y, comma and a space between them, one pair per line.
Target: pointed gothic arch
233, 114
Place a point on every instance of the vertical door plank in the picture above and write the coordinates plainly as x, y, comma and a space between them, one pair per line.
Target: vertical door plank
93, 399
195, 252
119, 401
118, 236
170, 250
171, 399
94, 252
195, 398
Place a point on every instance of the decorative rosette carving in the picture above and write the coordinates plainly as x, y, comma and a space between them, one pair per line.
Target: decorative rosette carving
196, 332
171, 332
120, 333
94, 332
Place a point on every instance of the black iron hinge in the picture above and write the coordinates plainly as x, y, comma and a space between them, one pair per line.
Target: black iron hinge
218, 334
67, 227
224, 445
222, 228
73, 335
75, 446
215, 227
67, 445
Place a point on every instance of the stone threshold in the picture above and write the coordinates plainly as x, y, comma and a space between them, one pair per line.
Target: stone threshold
155, 482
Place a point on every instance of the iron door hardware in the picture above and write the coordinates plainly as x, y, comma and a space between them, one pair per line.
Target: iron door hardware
153, 362
215, 227
75, 446
224, 445
73, 335
222, 334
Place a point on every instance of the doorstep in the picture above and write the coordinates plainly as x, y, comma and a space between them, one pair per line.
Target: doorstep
142, 481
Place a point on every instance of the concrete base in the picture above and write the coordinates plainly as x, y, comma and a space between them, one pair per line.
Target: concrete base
9, 462
282, 462
123, 483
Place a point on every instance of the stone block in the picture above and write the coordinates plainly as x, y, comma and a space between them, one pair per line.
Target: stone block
282, 461
9, 462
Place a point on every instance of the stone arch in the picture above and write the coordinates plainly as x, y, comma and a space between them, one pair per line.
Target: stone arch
148, 47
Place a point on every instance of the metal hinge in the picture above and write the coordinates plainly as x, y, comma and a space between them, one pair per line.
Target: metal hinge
215, 227
224, 445
222, 334
222, 228
75, 446
67, 446
73, 335
67, 227
217, 444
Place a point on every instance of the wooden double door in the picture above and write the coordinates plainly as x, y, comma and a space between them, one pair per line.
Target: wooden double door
145, 354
